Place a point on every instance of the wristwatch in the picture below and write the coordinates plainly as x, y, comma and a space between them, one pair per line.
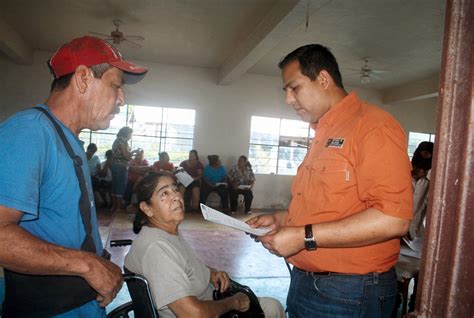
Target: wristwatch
309, 241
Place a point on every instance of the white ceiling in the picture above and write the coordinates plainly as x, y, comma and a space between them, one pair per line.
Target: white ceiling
239, 36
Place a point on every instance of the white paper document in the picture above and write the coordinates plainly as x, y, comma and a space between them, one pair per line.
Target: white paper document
184, 178
244, 186
221, 183
223, 219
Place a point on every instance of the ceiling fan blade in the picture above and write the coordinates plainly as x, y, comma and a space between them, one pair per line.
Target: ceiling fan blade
380, 71
135, 37
111, 41
100, 34
134, 44
351, 74
375, 76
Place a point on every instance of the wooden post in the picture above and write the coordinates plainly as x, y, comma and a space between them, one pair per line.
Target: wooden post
446, 286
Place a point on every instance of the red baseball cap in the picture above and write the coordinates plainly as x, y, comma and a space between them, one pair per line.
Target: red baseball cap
90, 51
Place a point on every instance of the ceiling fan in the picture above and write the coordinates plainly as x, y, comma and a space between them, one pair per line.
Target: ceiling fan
367, 74
117, 37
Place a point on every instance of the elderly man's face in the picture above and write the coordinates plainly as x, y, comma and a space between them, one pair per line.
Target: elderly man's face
309, 98
106, 98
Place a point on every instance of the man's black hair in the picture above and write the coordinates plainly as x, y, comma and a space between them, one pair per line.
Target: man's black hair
62, 82
314, 58
92, 147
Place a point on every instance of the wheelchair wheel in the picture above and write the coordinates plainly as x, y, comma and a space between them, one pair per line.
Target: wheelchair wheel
122, 311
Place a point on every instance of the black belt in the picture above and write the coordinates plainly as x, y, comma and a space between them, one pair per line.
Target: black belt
315, 273
335, 273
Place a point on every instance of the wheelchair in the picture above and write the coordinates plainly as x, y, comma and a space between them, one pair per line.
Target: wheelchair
142, 304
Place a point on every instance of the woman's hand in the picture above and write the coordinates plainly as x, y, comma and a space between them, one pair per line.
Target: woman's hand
242, 302
220, 280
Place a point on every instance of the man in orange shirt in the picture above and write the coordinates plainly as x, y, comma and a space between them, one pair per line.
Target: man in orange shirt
351, 198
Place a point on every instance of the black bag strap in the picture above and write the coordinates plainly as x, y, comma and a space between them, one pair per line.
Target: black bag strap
84, 201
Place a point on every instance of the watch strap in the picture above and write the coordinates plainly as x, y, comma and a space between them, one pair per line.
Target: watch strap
308, 231
309, 241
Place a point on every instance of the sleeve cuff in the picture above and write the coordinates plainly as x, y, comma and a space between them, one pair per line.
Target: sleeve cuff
30, 211
398, 210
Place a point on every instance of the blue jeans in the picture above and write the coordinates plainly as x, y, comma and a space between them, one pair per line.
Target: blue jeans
340, 295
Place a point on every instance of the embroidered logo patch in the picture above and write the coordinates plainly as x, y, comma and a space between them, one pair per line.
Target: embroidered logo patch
335, 143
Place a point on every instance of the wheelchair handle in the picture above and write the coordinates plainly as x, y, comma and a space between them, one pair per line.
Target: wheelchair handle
116, 243
129, 276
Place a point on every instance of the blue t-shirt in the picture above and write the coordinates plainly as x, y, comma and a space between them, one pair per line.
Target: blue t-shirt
214, 175
37, 177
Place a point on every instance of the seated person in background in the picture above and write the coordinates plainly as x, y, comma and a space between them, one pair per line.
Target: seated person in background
241, 181
164, 163
194, 168
215, 179
93, 162
104, 175
181, 284
138, 168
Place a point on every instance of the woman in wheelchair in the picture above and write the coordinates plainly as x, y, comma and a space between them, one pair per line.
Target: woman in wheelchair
182, 286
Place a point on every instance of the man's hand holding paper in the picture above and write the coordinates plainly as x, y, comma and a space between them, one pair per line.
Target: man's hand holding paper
223, 219
266, 220
276, 241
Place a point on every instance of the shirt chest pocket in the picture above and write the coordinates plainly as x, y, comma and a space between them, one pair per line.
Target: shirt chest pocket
332, 181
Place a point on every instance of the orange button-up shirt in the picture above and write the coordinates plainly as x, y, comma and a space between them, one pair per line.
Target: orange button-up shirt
358, 159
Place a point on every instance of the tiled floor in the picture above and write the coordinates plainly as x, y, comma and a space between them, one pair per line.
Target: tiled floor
219, 247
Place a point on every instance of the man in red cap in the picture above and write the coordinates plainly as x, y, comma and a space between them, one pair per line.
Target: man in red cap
49, 241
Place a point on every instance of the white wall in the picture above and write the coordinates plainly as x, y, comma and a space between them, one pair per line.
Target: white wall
22, 86
418, 116
223, 113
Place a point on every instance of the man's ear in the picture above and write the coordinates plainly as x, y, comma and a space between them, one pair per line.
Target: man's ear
324, 79
82, 78
146, 209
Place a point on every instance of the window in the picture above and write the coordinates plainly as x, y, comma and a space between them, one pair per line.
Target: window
278, 146
415, 138
155, 129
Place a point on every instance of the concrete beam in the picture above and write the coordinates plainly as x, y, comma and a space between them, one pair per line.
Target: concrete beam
12, 44
416, 90
283, 18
